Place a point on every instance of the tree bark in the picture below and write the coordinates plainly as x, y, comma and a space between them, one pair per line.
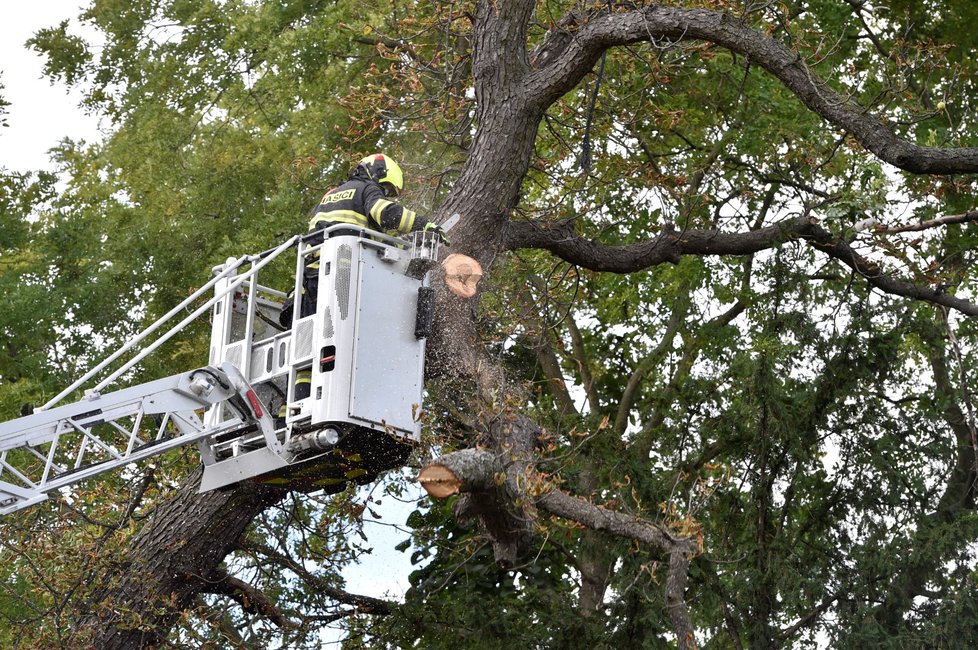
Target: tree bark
168, 563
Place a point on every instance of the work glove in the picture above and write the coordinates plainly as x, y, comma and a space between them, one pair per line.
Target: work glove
431, 226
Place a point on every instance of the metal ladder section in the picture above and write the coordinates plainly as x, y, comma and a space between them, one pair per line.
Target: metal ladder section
54, 449
57, 447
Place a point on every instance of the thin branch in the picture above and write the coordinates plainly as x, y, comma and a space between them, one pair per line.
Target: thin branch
808, 618
250, 598
970, 215
364, 604
219, 619
582, 360
546, 357
676, 319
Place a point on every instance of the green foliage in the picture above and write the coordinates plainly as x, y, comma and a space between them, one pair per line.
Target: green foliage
799, 423
3, 109
68, 54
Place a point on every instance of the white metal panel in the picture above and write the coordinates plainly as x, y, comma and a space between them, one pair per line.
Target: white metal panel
387, 364
238, 468
331, 389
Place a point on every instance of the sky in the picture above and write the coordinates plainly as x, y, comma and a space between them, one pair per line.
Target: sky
41, 114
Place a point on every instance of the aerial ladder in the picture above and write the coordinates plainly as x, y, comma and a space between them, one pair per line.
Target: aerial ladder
360, 355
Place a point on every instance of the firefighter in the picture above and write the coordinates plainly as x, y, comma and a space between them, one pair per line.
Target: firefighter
364, 200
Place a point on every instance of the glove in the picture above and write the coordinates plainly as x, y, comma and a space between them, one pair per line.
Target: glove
431, 226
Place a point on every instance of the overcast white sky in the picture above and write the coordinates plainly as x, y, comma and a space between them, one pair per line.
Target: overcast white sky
41, 115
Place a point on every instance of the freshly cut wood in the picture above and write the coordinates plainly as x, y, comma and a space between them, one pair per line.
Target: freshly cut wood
462, 274
439, 481
468, 470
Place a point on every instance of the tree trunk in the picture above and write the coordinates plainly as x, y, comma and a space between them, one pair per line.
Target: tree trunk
167, 564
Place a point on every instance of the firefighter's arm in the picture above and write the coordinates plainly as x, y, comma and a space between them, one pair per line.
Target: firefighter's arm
388, 215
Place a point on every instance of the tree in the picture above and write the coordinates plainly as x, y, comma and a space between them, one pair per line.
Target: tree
3, 109
715, 388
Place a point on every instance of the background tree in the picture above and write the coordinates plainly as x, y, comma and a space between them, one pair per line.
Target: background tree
715, 388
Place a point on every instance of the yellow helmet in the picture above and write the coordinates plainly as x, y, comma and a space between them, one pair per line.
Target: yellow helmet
384, 170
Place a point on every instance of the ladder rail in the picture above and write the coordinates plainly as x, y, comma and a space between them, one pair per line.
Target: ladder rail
71, 435
228, 270
38, 490
249, 334
142, 335
197, 313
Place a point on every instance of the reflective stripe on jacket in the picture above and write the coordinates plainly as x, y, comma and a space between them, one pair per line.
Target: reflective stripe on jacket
362, 203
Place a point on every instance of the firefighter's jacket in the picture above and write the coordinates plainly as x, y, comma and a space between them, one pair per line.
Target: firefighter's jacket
362, 203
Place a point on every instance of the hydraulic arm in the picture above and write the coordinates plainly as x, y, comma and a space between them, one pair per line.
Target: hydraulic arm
57, 448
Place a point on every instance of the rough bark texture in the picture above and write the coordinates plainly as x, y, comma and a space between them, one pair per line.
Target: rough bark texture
168, 564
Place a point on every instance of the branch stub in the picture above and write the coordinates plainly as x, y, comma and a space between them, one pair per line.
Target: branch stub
439, 481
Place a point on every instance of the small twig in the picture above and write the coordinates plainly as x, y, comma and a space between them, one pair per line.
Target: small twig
970, 215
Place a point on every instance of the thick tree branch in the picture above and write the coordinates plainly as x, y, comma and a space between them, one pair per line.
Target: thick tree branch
474, 472
679, 549
842, 251
493, 485
657, 23
670, 245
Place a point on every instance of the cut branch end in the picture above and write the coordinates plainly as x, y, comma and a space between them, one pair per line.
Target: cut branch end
439, 481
